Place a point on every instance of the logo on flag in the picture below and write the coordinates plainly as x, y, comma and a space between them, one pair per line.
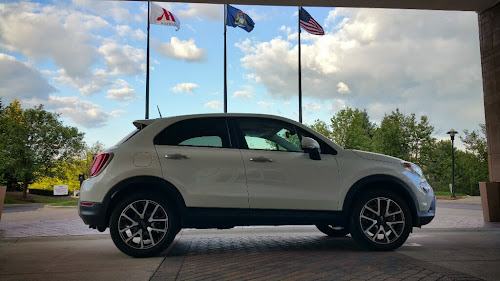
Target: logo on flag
236, 18
309, 24
161, 16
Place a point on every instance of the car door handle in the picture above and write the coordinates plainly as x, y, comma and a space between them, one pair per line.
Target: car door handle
261, 159
176, 156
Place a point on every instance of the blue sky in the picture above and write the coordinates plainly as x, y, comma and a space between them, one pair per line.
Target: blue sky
87, 61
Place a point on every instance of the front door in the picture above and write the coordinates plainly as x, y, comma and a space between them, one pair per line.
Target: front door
197, 157
279, 174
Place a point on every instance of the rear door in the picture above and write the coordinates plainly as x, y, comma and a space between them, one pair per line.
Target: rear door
197, 156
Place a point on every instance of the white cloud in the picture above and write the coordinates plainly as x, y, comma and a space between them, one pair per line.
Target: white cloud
179, 49
125, 30
96, 82
256, 16
246, 93
122, 91
20, 80
208, 11
119, 11
215, 105
290, 35
81, 112
312, 106
185, 88
265, 104
123, 59
118, 112
343, 88
420, 60
336, 105
41, 32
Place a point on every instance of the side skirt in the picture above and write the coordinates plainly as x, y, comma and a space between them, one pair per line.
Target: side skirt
227, 218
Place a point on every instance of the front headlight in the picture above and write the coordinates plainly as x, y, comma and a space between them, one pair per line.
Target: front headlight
413, 168
424, 185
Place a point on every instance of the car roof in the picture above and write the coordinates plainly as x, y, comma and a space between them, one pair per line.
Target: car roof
143, 123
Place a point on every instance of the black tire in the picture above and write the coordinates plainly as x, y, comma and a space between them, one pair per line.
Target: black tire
333, 231
388, 229
146, 236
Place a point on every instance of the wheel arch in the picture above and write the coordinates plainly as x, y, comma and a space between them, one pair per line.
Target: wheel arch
142, 184
385, 182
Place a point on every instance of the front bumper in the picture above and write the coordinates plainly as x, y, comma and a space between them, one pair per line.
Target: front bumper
424, 218
94, 216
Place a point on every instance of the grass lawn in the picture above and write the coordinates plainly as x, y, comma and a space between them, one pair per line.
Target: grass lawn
66, 203
17, 198
447, 193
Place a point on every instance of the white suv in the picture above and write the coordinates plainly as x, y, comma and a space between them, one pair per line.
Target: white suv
226, 170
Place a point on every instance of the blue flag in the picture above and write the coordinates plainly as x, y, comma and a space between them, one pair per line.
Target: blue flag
236, 18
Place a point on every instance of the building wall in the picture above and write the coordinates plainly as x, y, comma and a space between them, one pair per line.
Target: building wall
489, 37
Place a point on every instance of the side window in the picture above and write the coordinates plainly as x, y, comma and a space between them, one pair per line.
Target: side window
214, 141
204, 132
325, 148
267, 134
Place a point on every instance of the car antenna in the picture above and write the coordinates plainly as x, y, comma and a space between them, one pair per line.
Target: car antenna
159, 111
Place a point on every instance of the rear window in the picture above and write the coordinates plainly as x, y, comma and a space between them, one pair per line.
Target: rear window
203, 132
127, 137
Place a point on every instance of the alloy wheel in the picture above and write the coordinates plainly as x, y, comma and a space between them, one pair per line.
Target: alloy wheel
382, 220
143, 224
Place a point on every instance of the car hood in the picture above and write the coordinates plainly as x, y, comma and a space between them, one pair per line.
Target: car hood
376, 156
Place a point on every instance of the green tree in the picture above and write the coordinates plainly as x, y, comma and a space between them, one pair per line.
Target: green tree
34, 142
403, 137
352, 129
475, 142
477, 164
438, 165
321, 127
469, 169
88, 156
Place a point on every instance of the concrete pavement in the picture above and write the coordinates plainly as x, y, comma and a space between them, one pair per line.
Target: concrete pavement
457, 245
70, 258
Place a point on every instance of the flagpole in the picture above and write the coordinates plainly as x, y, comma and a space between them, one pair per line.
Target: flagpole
147, 72
225, 63
300, 73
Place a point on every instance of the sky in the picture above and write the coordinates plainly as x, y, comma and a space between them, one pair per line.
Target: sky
87, 61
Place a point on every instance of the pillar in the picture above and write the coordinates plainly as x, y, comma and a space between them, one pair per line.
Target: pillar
489, 37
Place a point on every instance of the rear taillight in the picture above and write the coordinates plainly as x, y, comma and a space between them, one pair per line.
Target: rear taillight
86, 204
99, 163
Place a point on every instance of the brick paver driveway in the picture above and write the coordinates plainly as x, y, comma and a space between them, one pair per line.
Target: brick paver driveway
301, 257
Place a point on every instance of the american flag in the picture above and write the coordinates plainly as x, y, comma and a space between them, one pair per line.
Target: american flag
309, 24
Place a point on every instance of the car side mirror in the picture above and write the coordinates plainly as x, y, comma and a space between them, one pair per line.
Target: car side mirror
311, 146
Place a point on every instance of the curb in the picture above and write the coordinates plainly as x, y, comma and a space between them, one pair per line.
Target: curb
68, 207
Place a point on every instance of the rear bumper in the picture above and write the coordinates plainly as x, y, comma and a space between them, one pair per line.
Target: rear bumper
94, 216
424, 218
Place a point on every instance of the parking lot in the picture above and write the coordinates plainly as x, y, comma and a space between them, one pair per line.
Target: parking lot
43, 243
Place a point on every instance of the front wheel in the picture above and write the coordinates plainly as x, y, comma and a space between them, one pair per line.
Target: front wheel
333, 231
381, 221
143, 225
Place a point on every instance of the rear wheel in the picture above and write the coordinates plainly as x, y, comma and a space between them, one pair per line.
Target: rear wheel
143, 225
333, 231
380, 220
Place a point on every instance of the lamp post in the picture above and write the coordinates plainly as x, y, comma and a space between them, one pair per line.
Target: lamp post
452, 134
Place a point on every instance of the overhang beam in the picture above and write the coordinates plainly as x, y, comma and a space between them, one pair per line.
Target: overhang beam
456, 5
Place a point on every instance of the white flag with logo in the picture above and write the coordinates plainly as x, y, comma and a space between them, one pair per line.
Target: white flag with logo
161, 16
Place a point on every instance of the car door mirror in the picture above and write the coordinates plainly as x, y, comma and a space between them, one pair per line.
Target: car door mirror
311, 146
